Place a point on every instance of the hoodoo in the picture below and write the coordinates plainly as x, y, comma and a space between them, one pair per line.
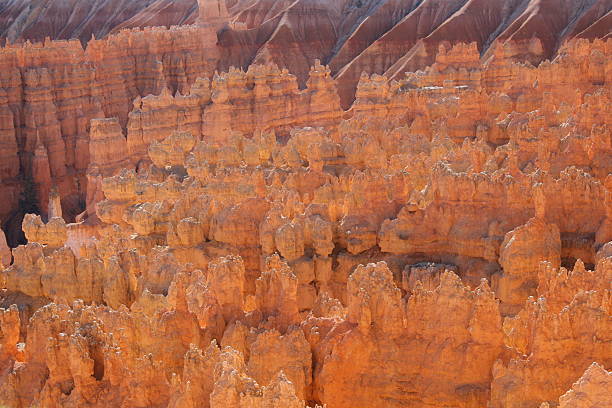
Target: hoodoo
292, 204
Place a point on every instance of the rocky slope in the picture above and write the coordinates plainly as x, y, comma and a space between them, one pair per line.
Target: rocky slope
447, 241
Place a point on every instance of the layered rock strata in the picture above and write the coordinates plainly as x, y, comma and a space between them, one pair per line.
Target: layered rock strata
50, 90
445, 242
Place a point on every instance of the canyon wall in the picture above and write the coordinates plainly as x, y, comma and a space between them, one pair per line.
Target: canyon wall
50, 90
352, 36
446, 241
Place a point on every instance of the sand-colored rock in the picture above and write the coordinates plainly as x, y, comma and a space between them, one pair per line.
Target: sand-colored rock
271, 353
251, 244
9, 328
55, 86
107, 155
51, 234
383, 325
572, 309
520, 255
559, 286
536, 335
589, 390
276, 294
233, 388
5, 251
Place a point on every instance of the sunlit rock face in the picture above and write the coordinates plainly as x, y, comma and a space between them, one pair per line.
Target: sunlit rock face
65, 62
203, 236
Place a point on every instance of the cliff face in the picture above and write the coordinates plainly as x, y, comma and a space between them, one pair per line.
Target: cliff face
234, 104
406, 334
50, 91
352, 36
444, 242
587, 390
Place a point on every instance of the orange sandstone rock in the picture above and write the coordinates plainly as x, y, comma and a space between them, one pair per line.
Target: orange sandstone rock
384, 328
253, 244
589, 390
5, 251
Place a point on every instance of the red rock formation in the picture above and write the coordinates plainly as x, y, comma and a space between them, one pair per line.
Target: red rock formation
212, 13
9, 159
572, 310
255, 245
262, 98
5, 251
559, 286
65, 86
377, 36
41, 175
582, 328
589, 390
520, 257
384, 329
161, 13
82, 20
107, 155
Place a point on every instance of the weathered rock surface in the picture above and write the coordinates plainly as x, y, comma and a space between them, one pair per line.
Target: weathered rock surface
5, 251
589, 390
243, 241
405, 334
53, 89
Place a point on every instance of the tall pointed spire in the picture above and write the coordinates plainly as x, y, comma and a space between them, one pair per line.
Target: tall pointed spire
5, 252
41, 175
55, 204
